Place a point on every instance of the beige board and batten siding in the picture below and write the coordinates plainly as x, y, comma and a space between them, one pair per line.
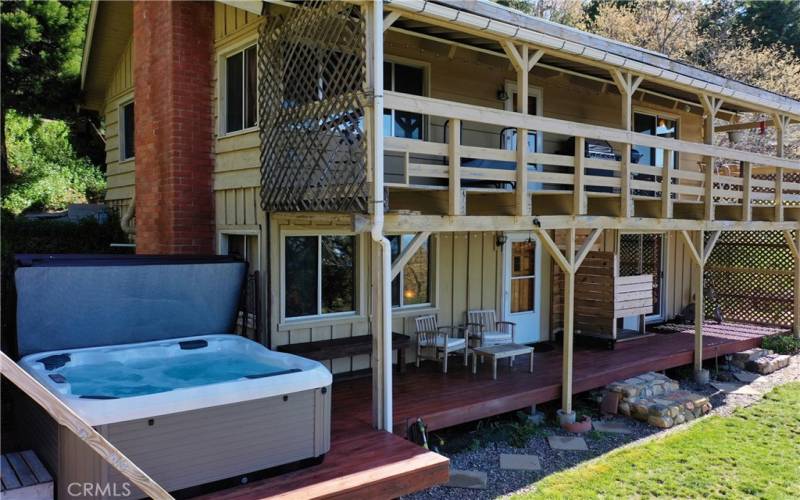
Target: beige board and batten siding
466, 274
119, 174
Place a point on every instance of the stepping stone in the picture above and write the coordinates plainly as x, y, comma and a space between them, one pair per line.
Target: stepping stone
472, 479
519, 462
733, 388
746, 376
611, 427
567, 443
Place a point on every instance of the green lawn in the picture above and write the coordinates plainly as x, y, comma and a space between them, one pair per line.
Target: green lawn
755, 452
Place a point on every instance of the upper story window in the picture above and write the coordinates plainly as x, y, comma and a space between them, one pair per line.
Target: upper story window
409, 80
319, 275
661, 126
126, 132
413, 285
240, 90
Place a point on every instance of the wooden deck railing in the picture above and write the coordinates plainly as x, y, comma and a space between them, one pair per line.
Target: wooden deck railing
441, 165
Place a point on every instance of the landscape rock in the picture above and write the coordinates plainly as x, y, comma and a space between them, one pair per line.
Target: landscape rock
768, 364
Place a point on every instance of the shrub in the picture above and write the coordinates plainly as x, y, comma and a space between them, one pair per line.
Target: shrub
48, 174
782, 344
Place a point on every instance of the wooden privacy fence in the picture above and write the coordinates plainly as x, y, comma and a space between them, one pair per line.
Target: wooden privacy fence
751, 273
64, 415
605, 296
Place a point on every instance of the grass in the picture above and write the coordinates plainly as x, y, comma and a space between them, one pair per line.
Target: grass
753, 453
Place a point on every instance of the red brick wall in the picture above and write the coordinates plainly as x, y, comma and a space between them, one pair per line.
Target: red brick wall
173, 58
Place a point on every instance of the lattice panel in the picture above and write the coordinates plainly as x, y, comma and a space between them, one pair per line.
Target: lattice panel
751, 273
312, 68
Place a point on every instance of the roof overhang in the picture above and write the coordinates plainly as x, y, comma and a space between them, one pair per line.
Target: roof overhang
109, 28
495, 22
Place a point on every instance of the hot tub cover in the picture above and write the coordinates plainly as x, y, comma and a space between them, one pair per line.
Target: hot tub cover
74, 303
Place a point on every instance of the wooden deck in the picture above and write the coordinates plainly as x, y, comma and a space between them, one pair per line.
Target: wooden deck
364, 463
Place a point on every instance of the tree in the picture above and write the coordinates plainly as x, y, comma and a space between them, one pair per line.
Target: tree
41, 51
770, 23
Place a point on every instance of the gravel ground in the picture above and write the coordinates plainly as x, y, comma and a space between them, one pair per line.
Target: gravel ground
504, 482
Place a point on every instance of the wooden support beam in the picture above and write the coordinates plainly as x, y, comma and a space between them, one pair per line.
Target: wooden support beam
534, 58
390, 18
793, 247
579, 203
666, 186
552, 249
64, 415
454, 194
781, 124
747, 191
408, 252
708, 190
742, 126
699, 305
522, 198
569, 327
586, 247
514, 56
626, 196
709, 246
687, 239
627, 84
711, 105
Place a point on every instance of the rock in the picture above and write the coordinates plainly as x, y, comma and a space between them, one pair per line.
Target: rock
679, 419
746, 376
472, 479
768, 364
567, 443
624, 408
674, 411
640, 411
659, 410
662, 422
519, 462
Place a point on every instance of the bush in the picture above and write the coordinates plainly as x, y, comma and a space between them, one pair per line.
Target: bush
782, 344
48, 174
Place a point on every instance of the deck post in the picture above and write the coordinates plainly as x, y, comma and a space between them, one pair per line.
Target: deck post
454, 155
522, 64
711, 106
747, 191
699, 305
579, 201
627, 85
781, 123
380, 276
567, 415
794, 245
666, 186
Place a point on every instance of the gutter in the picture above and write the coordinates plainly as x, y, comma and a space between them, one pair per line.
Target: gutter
500, 29
87, 44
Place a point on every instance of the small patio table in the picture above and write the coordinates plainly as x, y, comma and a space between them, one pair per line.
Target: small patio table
500, 351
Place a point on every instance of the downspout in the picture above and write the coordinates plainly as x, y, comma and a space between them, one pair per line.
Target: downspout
375, 10
126, 222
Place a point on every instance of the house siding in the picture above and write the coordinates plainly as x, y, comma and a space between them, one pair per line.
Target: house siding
119, 175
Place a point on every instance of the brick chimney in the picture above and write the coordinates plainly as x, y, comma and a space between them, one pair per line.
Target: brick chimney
173, 68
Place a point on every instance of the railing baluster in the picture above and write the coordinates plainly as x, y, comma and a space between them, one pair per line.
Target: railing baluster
747, 191
666, 186
523, 202
709, 189
579, 203
778, 194
454, 156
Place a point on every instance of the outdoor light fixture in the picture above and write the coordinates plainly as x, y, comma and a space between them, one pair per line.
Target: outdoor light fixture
502, 95
501, 240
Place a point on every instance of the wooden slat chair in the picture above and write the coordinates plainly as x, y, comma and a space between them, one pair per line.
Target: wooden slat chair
440, 340
484, 330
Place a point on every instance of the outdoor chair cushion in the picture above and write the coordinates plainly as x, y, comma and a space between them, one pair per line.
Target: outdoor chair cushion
452, 343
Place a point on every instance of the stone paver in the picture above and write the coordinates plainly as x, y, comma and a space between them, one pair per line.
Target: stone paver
746, 376
519, 462
472, 479
734, 388
567, 443
611, 427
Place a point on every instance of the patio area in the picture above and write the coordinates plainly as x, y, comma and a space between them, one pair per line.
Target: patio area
368, 463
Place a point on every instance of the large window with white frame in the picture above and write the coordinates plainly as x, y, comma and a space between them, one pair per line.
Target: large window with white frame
242, 244
239, 72
319, 275
408, 79
412, 287
127, 136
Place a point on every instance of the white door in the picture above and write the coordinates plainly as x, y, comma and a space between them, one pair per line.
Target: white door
522, 289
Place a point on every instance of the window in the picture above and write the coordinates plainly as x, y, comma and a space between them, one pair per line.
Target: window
243, 246
659, 126
523, 276
409, 80
126, 132
413, 285
319, 274
240, 90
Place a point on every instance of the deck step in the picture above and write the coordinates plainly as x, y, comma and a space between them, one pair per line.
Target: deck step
23, 476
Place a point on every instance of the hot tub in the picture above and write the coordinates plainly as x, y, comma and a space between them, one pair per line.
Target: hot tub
188, 410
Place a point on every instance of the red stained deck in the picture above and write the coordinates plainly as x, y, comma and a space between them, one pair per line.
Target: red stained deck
364, 463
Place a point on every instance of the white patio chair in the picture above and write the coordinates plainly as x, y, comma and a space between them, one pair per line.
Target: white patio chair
440, 340
484, 330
